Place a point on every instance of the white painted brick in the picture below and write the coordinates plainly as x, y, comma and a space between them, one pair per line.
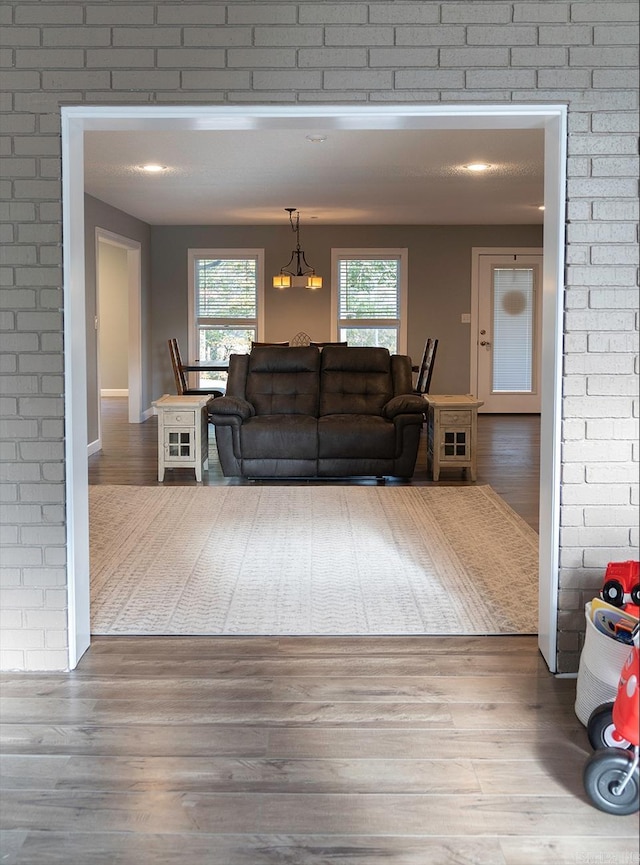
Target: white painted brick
569, 34
294, 79
117, 14
430, 36
23, 638
619, 298
221, 37
261, 57
614, 166
148, 80
588, 407
613, 342
327, 57
596, 452
399, 57
599, 557
56, 639
279, 36
572, 516
602, 56
593, 232
611, 122
507, 78
562, 79
573, 429
60, 80
613, 516
84, 37
594, 536
405, 13
612, 385
362, 35
47, 13
598, 363
333, 13
216, 79
613, 429
601, 188
623, 473
465, 58
203, 58
11, 659
430, 79
514, 35
10, 619
476, 13
158, 36
572, 473
541, 13
191, 13
574, 386
45, 619
110, 58
609, 79
45, 661
21, 598
594, 494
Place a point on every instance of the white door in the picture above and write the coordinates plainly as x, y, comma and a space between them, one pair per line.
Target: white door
508, 331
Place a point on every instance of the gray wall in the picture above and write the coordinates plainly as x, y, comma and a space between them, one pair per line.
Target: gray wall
87, 52
439, 284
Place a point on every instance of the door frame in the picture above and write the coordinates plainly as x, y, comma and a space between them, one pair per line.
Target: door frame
476, 254
75, 120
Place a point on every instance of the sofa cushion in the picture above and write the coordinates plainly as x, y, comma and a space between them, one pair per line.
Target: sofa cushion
279, 436
284, 380
354, 380
349, 436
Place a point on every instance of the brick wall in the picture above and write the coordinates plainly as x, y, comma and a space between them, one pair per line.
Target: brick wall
76, 52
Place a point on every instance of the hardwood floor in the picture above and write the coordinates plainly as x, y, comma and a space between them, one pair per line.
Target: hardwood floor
265, 751
508, 458
300, 750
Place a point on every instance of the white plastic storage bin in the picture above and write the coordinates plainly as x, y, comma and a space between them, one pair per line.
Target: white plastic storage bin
601, 662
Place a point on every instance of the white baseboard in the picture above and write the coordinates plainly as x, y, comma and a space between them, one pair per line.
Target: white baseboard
114, 391
150, 412
94, 447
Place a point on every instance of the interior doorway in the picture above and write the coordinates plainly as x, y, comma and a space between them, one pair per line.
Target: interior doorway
75, 120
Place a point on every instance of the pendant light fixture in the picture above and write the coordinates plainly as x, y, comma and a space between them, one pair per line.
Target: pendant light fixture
297, 264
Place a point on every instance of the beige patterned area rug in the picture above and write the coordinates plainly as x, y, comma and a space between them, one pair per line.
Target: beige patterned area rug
304, 560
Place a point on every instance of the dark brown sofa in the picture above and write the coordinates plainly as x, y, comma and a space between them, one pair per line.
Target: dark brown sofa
305, 412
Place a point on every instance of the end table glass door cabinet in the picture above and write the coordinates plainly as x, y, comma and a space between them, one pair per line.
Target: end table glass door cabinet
183, 433
452, 432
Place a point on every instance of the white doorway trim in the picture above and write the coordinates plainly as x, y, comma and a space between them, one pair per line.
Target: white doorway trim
78, 119
133, 249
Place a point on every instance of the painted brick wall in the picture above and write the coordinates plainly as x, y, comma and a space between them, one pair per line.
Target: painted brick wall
76, 52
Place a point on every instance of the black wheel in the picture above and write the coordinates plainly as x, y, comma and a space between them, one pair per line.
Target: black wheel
601, 730
635, 595
604, 771
613, 593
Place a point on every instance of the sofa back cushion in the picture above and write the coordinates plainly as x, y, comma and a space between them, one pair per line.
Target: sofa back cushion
354, 380
283, 380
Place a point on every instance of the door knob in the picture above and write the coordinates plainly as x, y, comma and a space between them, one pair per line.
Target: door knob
484, 342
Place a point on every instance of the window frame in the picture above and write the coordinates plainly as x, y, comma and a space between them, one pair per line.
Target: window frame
373, 253
193, 341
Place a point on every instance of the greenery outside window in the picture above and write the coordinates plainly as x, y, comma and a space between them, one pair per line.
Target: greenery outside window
226, 309
369, 297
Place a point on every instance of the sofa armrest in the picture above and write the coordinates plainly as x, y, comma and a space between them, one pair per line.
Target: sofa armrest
406, 403
231, 406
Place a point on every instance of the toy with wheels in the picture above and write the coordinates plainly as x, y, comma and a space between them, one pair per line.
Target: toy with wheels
611, 775
621, 586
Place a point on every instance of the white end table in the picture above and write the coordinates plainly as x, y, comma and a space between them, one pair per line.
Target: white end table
452, 432
183, 433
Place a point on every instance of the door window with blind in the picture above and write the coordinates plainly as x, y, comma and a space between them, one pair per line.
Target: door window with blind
369, 297
226, 290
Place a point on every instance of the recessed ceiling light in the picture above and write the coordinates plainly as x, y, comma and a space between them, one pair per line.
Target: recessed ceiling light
541, 207
477, 166
316, 138
153, 168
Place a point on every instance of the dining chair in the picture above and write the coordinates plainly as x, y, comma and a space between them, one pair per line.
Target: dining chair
180, 376
254, 343
425, 370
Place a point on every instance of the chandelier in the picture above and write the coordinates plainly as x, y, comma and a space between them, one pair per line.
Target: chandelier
297, 264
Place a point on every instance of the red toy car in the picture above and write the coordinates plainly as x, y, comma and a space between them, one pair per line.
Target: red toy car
622, 586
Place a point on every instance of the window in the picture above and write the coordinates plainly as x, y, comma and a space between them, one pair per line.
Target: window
226, 290
369, 297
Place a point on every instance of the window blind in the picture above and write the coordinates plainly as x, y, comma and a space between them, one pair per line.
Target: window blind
226, 288
369, 288
513, 329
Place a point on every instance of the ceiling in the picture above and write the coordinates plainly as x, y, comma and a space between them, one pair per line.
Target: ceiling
375, 177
